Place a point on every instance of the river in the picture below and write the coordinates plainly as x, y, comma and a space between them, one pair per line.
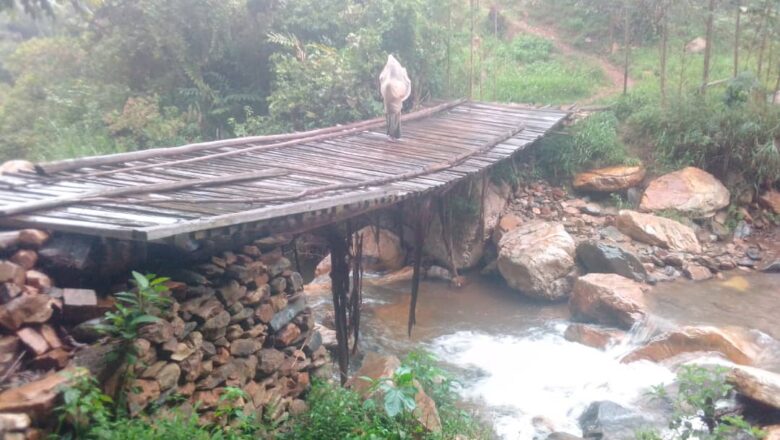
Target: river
512, 359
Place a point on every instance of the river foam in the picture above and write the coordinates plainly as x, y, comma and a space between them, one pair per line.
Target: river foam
540, 374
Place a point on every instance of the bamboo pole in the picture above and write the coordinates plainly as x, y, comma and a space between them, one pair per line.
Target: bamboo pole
708, 48
408, 117
737, 31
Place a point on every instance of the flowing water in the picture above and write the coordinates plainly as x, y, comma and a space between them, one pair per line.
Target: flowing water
512, 358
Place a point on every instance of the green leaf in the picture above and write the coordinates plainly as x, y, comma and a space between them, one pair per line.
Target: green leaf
144, 319
140, 280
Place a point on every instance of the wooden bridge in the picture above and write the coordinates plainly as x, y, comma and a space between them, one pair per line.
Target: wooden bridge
269, 184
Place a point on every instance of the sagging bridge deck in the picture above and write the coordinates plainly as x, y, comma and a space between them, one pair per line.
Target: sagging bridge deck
269, 184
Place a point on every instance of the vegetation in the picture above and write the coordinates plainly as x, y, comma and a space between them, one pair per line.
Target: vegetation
698, 410
335, 413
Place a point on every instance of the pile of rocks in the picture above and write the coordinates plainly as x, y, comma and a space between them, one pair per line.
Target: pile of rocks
33, 312
239, 320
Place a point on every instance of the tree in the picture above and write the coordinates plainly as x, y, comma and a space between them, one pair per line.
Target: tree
708, 48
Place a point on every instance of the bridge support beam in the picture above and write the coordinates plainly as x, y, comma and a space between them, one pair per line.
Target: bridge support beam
422, 221
339, 276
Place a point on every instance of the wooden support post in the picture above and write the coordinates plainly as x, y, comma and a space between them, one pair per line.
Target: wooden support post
421, 223
339, 276
445, 219
356, 296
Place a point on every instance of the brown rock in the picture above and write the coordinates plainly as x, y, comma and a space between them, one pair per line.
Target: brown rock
36, 398
245, 347
278, 302
27, 309
80, 302
56, 359
607, 299
382, 251
658, 231
50, 335
287, 335
38, 279
231, 292
142, 393
729, 342
9, 291
760, 385
186, 390
609, 179
193, 366
12, 272
269, 361
697, 273
168, 377
508, 222
157, 332
592, 336
208, 399
771, 201
33, 237
25, 258
690, 191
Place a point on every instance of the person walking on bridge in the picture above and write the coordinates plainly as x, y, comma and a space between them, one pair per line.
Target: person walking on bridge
395, 86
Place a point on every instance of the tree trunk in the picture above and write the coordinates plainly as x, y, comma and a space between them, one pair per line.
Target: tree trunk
626, 45
764, 36
471, 50
777, 86
736, 37
708, 49
664, 49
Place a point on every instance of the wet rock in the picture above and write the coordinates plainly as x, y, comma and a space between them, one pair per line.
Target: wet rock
773, 267
168, 377
759, 385
14, 422
690, 191
658, 231
562, 436
593, 336
607, 299
771, 201
79, 305
269, 361
287, 314
89, 331
537, 259
614, 234
231, 293
278, 285
27, 309
607, 420
604, 258
742, 230
772, 432
734, 344
754, 253
158, 332
696, 272
609, 179
382, 251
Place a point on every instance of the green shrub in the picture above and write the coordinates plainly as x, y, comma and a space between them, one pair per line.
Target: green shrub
528, 49
701, 390
712, 135
591, 142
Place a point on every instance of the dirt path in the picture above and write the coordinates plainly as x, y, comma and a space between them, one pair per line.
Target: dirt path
613, 73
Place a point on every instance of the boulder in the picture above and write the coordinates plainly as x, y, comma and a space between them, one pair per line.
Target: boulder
537, 259
592, 336
600, 257
607, 420
34, 238
468, 236
382, 251
376, 366
732, 343
772, 432
760, 385
12, 273
607, 299
697, 45
689, 191
26, 309
25, 258
771, 201
609, 179
658, 231
15, 166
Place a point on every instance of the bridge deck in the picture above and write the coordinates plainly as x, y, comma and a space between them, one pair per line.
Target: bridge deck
249, 182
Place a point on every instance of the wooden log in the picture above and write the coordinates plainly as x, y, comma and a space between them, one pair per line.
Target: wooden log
422, 222
281, 140
135, 189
